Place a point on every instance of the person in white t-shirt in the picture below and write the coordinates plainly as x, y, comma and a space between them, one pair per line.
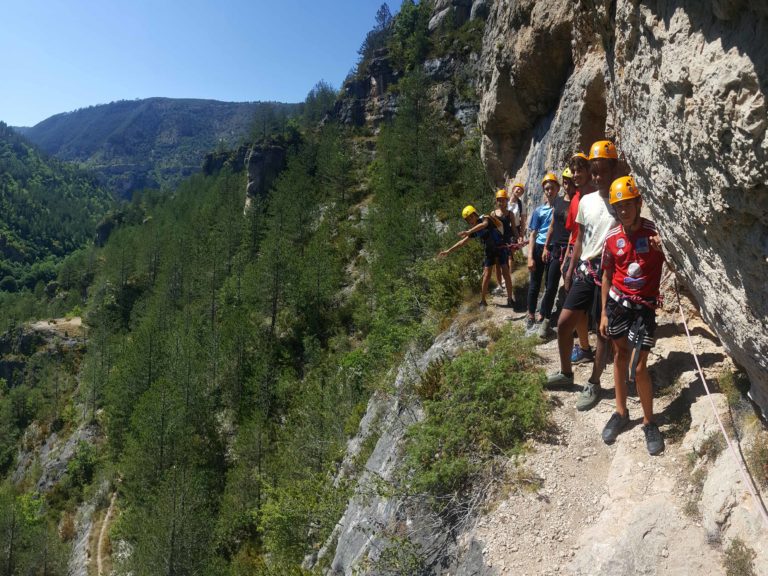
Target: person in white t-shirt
595, 218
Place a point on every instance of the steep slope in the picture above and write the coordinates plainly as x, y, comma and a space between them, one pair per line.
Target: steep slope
134, 144
48, 208
568, 503
681, 87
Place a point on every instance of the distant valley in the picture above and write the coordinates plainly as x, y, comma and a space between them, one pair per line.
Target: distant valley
155, 142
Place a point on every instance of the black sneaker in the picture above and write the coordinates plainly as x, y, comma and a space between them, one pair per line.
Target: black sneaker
511, 303
653, 439
614, 427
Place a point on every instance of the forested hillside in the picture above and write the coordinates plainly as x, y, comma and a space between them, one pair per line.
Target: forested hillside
248, 346
156, 142
231, 355
49, 209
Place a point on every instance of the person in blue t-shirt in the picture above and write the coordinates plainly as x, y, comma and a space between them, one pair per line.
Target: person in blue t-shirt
539, 226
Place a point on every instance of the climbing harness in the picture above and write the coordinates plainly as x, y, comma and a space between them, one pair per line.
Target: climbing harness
736, 455
587, 269
633, 301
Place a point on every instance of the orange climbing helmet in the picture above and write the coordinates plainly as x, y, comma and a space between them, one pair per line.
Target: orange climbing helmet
603, 149
501, 193
623, 188
580, 155
550, 177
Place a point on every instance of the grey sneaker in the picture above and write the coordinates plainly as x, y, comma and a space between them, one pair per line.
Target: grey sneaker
559, 379
654, 441
588, 397
529, 325
614, 427
544, 330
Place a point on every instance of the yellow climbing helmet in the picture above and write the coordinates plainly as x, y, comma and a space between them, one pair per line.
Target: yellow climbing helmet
603, 149
501, 193
623, 188
468, 211
567, 173
518, 185
550, 178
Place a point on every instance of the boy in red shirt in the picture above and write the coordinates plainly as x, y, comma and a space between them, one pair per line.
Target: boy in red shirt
631, 263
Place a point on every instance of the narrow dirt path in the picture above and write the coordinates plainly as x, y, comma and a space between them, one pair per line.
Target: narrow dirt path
582, 507
103, 535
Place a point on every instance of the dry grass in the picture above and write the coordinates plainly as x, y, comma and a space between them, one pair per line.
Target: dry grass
737, 559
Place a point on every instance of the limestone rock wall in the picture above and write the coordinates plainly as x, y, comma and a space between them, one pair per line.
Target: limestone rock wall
681, 86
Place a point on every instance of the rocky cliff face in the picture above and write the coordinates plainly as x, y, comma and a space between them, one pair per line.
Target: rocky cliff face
681, 87
366, 98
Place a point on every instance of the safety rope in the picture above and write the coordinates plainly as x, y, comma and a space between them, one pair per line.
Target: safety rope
736, 454
514, 245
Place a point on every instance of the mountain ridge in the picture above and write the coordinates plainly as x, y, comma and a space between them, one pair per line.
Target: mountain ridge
152, 142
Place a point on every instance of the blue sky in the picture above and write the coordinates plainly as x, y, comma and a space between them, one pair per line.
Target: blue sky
60, 55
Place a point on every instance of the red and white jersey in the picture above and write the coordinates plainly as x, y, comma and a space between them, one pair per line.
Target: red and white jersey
635, 264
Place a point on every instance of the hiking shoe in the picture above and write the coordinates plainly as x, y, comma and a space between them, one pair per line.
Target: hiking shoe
559, 379
499, 290
654, 441
615, 426
544, 330
529, 324
511, 303
579, 354
483, 305
588, 396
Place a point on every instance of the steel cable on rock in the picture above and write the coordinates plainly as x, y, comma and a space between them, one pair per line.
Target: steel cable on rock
739, 460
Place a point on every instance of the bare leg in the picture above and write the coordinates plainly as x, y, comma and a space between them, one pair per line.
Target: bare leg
644, 387
583, 332
508, 281
486, 280
599, 365
565, 326
620, 371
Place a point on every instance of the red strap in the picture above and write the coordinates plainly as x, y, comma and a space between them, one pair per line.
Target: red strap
659, 300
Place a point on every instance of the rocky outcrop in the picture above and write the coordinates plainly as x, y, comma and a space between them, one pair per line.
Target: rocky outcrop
681, 87
364, 98
377, 520
263, 163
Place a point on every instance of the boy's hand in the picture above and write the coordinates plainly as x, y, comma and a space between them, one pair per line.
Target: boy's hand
545, 255
531, 264
655, 242
604, 325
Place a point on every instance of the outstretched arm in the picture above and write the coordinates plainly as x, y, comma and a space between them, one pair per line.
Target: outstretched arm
475, 228
456, 246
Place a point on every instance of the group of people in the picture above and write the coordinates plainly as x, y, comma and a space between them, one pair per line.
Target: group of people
591, 235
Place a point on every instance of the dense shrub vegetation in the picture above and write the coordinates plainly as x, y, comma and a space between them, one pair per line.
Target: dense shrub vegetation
232, 352
483, 404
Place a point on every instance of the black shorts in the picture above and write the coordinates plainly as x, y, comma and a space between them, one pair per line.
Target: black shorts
500, 257
585, 295
630, 322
